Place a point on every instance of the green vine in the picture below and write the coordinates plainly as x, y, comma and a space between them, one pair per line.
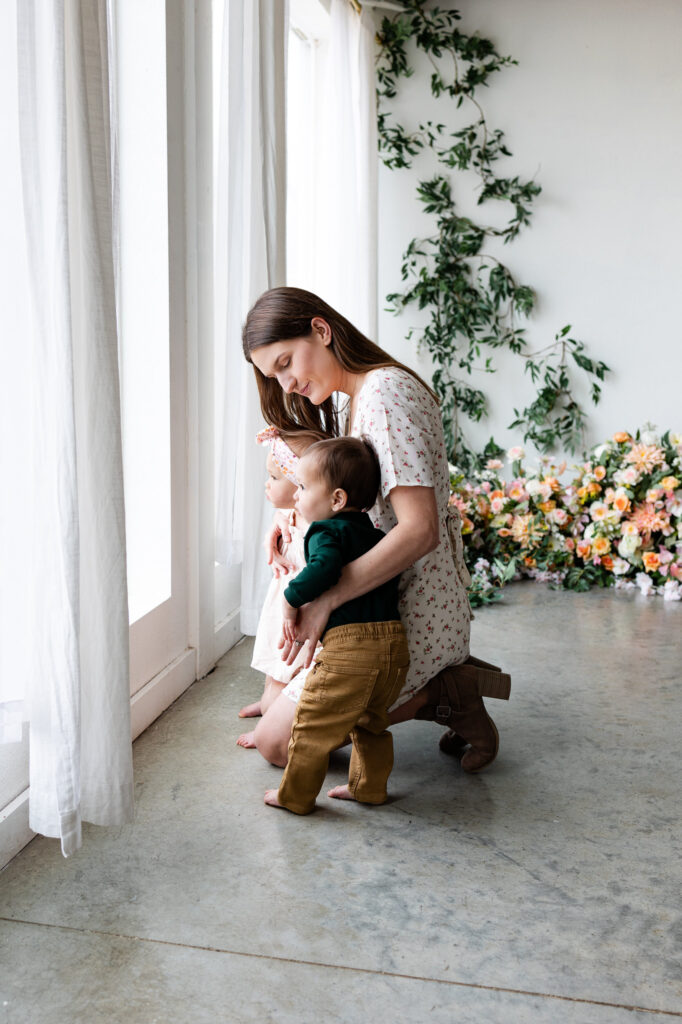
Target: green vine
475, 304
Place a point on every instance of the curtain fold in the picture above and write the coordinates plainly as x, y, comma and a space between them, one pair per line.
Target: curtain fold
76, 640
250, 251
333, 160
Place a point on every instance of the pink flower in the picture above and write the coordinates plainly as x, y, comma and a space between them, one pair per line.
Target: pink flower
494, 464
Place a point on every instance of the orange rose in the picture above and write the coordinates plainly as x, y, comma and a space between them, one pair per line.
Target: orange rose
530, 562
467, 525
594, 487
601, 545
621, 502
582, 493
496, 494
607, 562
553, 483
621, 437
547, 506
600, 472
583, 549
651, 560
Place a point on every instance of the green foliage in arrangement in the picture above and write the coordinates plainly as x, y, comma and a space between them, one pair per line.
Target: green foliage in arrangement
475, 303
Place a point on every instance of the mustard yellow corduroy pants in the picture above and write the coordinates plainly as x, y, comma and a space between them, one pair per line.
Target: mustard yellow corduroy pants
357, 676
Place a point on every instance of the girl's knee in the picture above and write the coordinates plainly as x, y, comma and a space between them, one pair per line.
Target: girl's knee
271, 748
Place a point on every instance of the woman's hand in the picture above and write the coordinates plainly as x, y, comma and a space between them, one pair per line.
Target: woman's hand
279, 529
310, 624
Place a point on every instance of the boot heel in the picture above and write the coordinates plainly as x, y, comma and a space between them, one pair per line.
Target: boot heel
482, 664
493, 684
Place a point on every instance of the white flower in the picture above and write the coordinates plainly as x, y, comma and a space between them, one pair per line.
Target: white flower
533, 486
599, 451
627, 477
620, 566
671, 591
589, 531
599, 510
649, 437
516, 453
645, 584
559, 515
628, 545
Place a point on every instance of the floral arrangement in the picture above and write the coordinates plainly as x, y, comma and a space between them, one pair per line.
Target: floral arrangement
617, 523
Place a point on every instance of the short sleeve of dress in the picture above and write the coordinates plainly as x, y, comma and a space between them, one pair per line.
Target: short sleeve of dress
403, 422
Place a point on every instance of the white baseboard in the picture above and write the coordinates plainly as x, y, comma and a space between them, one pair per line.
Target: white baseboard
145, 707
227, 634
14, 830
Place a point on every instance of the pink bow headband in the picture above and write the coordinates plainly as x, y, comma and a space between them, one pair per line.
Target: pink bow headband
280, 451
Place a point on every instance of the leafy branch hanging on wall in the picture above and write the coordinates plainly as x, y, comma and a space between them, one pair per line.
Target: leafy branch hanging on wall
473, 300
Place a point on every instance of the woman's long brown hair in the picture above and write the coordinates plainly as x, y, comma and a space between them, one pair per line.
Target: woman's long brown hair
284, 313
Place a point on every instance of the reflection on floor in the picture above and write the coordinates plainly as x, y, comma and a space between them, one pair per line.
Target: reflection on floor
545, 889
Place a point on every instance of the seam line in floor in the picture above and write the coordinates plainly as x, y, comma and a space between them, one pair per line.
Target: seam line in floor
345, 967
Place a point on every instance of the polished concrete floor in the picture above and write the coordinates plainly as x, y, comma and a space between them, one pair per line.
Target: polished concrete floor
546, 889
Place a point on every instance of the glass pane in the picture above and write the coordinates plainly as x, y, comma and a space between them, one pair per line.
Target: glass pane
145, 372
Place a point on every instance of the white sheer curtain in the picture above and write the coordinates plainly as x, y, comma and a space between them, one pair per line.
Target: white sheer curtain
332, 136
69, 628
249, 259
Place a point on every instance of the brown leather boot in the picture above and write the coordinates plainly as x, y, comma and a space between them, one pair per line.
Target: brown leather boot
454, 699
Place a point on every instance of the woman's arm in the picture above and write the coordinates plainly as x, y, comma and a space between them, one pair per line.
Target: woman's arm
415, 534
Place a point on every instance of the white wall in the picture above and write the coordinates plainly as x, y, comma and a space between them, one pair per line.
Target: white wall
594, 111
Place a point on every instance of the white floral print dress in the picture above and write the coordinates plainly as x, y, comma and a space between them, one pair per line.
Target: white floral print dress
401, 419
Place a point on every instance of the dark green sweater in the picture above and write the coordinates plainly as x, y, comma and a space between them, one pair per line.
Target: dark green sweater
329, 545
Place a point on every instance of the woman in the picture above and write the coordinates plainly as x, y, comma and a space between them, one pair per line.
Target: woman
303, 353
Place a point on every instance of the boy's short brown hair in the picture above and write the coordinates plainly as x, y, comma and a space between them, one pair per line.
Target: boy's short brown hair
351, 464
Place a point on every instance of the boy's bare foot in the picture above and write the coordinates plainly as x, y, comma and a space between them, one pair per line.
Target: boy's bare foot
270, 798
247, 740
251, 710
340, 793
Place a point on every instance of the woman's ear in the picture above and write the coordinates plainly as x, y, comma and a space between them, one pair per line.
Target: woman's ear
339, 499
323, 329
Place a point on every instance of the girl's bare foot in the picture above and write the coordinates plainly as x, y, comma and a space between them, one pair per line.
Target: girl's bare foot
270, 798
251, 710
247, 739
340, 793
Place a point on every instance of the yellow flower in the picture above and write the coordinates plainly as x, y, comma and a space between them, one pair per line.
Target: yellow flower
601, 545
547, 506
669, 483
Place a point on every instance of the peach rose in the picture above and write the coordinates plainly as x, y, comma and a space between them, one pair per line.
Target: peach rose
621, 437
570, 544
583, 549
496, 494
621, 501
651, 560
594, 487
669, 483
504, 532
601, 545
600, 472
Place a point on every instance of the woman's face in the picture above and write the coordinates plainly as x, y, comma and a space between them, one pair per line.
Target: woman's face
304, 366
